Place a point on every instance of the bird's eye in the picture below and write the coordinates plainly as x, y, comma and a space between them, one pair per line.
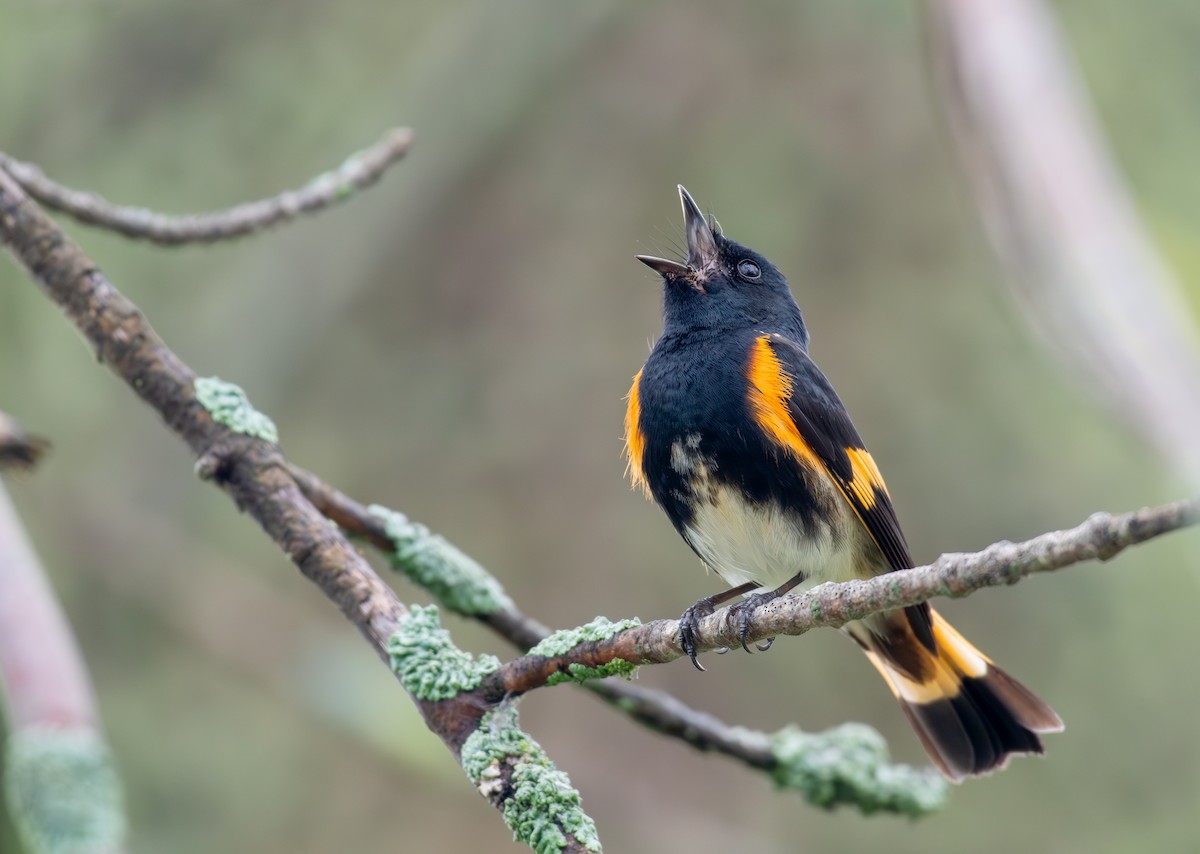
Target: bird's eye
747, 269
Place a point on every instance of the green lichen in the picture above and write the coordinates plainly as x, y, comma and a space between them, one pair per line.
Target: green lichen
429, 665
849, 765
229, 405
580, 673
601, 628
542, 808
63, 792
453, 578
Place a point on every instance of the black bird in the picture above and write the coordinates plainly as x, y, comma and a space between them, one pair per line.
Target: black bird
739, 437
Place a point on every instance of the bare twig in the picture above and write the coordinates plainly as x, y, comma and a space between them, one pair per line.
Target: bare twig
1101, 537
19, 450
357, 172
1060, 217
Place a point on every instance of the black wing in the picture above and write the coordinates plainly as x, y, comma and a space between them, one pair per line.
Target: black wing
795, 404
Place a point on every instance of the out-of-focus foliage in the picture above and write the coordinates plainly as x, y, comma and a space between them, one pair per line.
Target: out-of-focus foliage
456, 344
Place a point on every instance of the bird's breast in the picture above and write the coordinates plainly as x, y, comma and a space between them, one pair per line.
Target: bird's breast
746, 538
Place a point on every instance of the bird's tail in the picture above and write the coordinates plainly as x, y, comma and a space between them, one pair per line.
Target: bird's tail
969, 714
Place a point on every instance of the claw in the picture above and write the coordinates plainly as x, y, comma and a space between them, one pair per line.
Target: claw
744, 621
687, 641
722, 650
745, 610
687, 629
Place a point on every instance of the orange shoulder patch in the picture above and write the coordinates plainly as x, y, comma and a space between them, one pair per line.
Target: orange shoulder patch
770, 389
635, 440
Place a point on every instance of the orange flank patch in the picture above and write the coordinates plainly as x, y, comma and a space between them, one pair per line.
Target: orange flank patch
635, 442
770, 389
866, 477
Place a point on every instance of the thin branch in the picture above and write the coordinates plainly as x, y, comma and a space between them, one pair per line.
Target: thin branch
1101, 537
59, 778
1060, 217
356, 173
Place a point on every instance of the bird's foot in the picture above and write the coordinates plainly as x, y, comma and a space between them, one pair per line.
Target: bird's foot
689, 624
744, 610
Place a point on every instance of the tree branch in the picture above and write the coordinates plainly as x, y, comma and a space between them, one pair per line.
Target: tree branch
1100, 537
357, 172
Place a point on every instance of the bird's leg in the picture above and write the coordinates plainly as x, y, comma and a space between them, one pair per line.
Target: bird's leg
690, 621
748, 605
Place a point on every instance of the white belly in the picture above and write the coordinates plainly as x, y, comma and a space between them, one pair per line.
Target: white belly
742, 542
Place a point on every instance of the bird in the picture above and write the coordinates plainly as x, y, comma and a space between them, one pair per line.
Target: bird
733, 430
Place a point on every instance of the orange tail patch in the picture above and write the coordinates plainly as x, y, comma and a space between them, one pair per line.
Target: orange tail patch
969, 714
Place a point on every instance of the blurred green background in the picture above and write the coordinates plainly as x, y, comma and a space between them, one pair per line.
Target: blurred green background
456, 343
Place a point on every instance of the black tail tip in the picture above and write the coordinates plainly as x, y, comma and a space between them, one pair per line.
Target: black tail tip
991, 718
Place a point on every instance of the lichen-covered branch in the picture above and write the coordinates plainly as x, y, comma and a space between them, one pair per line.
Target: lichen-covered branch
510, 769
357, 172
59, 780
504, 764
234, 450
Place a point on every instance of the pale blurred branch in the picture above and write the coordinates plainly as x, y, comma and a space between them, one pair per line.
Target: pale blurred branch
18, 449
59, 778
356, 173
1060, 217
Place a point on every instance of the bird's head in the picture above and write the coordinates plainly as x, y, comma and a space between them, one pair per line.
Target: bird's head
722, 284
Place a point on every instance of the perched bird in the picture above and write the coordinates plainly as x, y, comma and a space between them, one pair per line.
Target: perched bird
739, 437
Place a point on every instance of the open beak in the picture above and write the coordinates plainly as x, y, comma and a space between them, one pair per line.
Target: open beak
702, 246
